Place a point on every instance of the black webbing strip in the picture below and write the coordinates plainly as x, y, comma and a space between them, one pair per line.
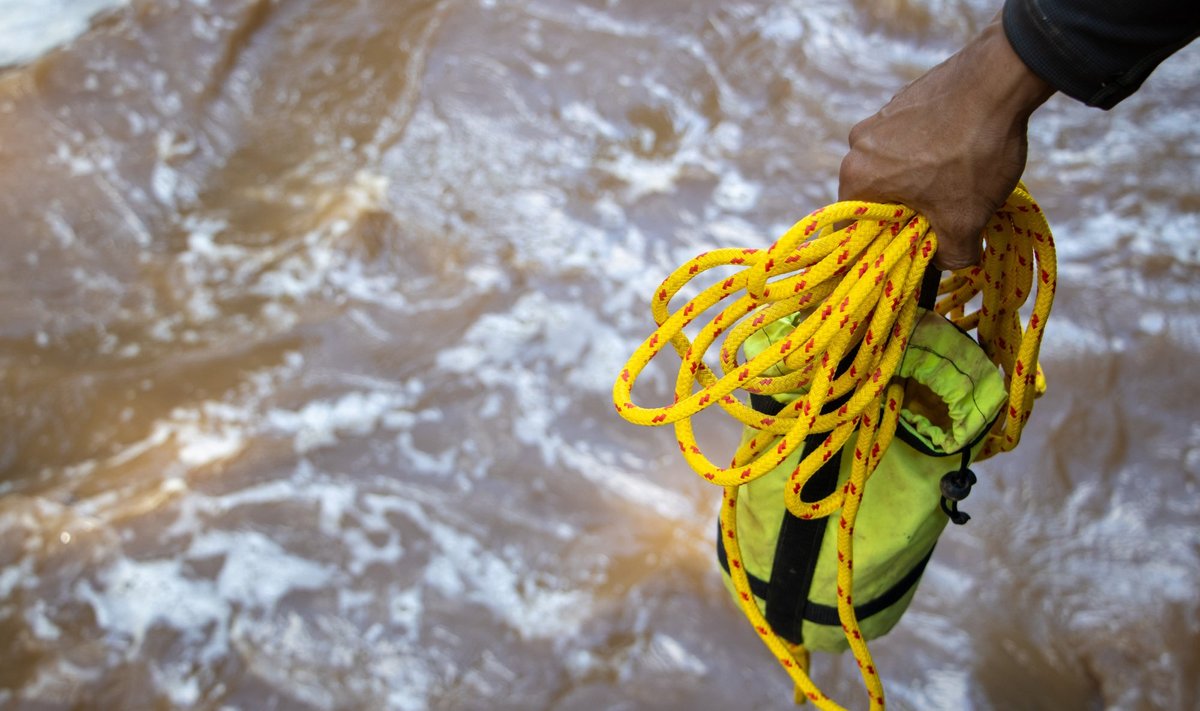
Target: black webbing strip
929, 287
826, 614
766, 404
758, 586
799, 543
797, 550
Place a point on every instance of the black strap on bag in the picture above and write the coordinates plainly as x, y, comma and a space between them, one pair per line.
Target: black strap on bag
828, 614
799, 543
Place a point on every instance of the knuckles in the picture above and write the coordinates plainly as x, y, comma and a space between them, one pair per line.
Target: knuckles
854, 176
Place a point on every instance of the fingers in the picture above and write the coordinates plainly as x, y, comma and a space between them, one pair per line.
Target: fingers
850, 178
858, 130
959, 235
958, 219
951, 145
958, 253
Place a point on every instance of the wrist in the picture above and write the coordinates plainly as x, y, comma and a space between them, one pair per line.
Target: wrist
1007, 83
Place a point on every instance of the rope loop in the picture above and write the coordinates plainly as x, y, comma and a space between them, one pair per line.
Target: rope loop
852, 272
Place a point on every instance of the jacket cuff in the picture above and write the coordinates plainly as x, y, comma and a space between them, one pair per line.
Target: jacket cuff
1093, 51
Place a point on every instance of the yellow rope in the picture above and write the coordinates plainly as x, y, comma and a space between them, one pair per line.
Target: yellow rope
855, 269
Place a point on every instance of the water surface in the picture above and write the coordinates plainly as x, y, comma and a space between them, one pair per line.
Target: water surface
312, 309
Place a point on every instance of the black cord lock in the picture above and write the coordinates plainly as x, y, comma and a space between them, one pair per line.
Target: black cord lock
956, 486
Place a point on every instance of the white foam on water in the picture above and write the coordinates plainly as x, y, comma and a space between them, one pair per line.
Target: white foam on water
29, 28
497, 579
257, 571
407, 609
291, 651
632, 485
213, 430
586, 117
422, 462
1126, 535
940, 689
736, 194
321, 423
1070, 339
580, 284
40, 624
14, 575
645, 176
669, 652
202, 246
499, 348
134, 596
288, 272
198, 447
169, 185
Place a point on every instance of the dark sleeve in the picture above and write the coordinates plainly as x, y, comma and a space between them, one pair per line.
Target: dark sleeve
1098, 51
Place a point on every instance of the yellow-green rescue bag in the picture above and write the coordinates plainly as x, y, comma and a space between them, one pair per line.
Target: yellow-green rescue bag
953, 395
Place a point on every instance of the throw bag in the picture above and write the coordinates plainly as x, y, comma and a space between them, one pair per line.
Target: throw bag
953, 395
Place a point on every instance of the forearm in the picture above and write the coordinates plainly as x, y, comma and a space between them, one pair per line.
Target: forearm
990, 68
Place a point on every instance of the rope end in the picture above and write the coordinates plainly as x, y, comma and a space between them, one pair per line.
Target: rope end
800, 656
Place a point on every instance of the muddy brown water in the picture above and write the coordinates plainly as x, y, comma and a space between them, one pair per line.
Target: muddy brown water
310, 316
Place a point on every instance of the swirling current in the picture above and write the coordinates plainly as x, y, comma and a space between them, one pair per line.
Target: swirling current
311, 310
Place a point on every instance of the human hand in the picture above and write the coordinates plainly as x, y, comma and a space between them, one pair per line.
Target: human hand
951, 145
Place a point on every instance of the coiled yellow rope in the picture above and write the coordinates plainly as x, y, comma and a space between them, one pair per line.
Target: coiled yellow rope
855, 269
